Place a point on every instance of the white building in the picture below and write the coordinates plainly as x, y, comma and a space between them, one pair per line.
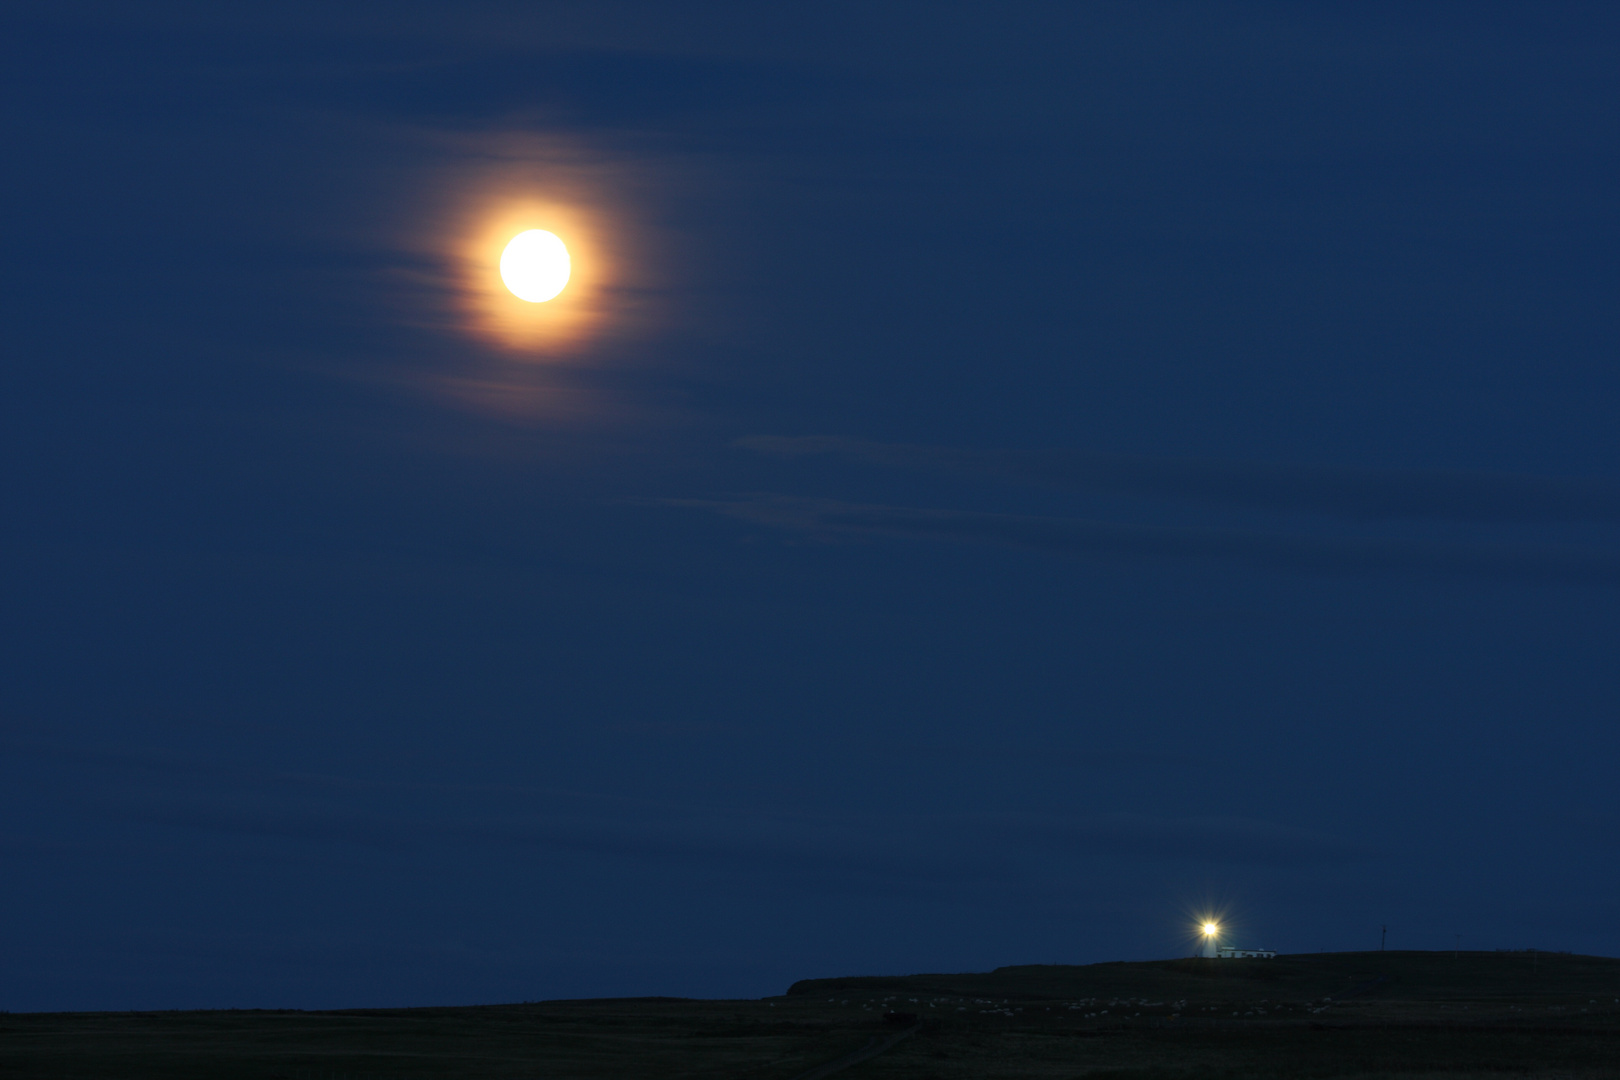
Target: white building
1227, 952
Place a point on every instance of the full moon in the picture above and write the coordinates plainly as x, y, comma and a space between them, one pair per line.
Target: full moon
535, 265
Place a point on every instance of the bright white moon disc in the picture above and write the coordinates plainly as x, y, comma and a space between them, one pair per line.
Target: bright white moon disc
535, 266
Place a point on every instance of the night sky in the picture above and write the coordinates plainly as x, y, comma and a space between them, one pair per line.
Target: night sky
1020, 476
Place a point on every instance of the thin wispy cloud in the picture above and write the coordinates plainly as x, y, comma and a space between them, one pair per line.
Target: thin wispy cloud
1074, 536
1362, 493
925, 847
164, 792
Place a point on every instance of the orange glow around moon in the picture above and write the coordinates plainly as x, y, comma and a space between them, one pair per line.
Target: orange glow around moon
533, 276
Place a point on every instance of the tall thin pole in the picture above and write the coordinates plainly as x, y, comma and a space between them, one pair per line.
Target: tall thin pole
1381, 939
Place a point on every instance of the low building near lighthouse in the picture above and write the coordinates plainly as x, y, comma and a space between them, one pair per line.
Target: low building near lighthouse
1228, 952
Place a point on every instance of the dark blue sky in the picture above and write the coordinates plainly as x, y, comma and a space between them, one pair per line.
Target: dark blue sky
1034, 474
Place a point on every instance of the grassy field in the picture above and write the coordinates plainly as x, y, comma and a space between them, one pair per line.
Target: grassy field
1397, 1014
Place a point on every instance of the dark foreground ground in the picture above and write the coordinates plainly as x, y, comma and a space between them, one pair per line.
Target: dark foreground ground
1399, 1014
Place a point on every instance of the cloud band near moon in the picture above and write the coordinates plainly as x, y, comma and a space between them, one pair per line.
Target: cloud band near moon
1104, 539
